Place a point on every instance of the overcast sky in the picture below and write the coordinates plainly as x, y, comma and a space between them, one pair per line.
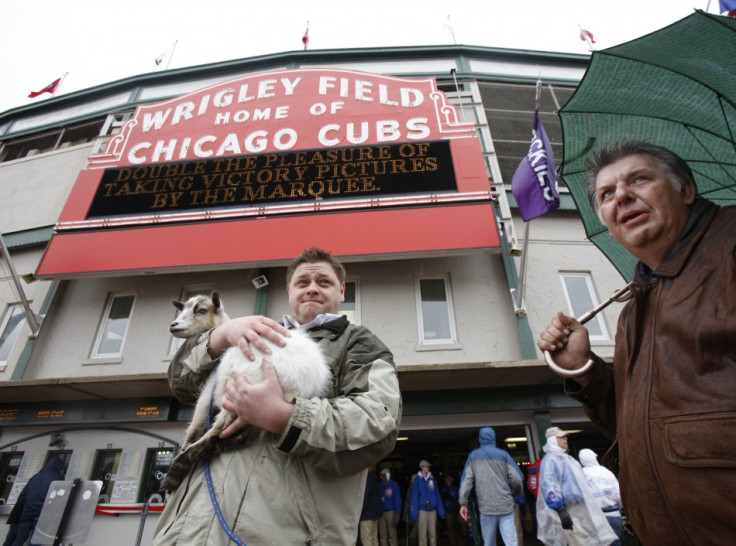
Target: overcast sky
98, 41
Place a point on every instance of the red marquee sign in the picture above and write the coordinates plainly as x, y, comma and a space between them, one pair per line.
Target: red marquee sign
316, 146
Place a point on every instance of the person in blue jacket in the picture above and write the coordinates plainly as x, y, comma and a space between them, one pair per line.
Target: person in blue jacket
426, 504
391, 509
32, 500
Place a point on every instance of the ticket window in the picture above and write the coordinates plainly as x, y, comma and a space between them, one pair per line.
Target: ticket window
64, 454
105, 468
158, 462
9, 465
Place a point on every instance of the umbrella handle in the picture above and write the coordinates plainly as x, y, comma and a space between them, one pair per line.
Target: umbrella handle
564, 372
577, 372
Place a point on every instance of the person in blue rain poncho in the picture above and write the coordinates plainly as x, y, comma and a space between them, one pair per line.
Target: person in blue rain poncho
567, 513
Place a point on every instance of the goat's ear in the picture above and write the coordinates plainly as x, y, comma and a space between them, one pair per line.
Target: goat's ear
178, 304
216, 300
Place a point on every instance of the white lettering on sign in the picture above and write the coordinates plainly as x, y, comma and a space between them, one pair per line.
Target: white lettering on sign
222, 99
286, 110
409, 97
332, 134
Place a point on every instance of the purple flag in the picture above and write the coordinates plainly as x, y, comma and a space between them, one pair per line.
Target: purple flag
535, 181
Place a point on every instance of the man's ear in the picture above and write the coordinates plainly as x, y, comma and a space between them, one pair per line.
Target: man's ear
342, 292
689, 192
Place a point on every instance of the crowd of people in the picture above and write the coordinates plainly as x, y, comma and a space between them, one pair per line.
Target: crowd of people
577, 501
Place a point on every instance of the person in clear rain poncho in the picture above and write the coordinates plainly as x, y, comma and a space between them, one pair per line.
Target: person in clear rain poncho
567, 513
604, 486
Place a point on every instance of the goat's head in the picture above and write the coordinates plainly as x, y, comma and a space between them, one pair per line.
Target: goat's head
196, 315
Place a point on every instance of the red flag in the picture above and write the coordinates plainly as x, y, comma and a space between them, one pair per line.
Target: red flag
50, 88
305, 38
586, 35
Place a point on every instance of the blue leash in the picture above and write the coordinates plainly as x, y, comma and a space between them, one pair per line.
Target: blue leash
208, 476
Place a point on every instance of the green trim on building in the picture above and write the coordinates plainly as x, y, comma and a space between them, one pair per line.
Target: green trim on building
447, 402
29, 237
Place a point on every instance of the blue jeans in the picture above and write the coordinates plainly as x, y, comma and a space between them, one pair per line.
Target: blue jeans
617, 525
505, 523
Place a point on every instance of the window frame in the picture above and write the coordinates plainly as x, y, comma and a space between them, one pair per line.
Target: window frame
10, 312
102, 327
356, 313
423, 340
599, 319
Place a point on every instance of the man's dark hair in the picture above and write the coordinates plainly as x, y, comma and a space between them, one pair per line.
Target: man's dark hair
314, 255
678, 171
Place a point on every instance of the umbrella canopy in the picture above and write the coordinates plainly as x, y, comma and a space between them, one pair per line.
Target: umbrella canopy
675, 88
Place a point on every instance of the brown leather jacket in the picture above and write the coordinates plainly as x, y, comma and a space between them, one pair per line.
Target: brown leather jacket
669, 398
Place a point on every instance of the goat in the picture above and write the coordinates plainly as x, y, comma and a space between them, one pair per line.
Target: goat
197, 315
300, 367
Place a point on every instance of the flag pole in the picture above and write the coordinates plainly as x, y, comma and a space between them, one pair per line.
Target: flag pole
31, 317
168, 62
519, 307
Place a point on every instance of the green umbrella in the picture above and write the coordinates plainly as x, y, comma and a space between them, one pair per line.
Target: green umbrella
676, 88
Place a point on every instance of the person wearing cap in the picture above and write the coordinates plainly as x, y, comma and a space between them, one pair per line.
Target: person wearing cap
426, 504
390, 509
496, 479
567, 513
667, 398
604, 486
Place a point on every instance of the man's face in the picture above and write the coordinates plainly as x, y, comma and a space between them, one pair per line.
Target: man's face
385, 477
425, 469
641, 208
562, 442
314, 289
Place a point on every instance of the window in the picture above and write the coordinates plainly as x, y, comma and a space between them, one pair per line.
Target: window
10, 330
114, 327
9, 466
351, 306
581, 299
158, 462
49, 141
105, 469
436, 321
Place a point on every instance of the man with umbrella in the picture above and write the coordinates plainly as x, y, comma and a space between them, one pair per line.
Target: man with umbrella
667, 400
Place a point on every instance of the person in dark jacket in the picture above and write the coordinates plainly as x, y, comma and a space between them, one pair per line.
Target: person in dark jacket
668, 396
32, 499
450, 494
371, 511
426, 504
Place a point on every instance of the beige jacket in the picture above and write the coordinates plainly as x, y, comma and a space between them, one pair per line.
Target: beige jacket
306, 486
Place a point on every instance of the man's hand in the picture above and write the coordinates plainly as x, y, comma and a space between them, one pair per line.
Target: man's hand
258, 404
567, 340
565, 519
464, 513
243, 331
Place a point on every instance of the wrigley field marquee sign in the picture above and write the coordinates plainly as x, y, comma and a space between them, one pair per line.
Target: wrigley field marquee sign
305, 151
